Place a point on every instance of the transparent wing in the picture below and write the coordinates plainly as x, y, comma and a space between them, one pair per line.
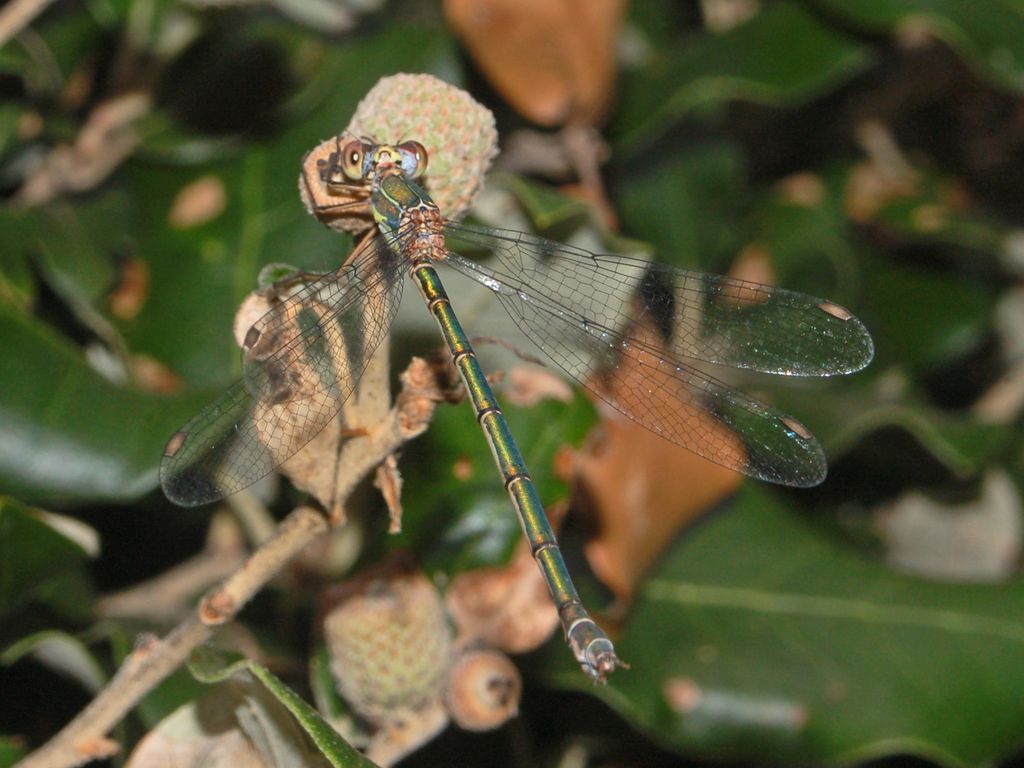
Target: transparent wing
301, 361
702, 316
630, 331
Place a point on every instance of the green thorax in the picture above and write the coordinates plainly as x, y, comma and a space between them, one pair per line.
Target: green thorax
394, 195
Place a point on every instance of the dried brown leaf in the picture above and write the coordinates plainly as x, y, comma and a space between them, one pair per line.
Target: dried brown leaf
552, 60
641, 488
507, 607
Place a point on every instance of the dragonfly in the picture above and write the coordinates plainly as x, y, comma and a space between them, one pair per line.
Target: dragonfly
655, 330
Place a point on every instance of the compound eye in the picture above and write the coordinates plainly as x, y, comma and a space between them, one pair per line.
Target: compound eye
414, 159
352, 160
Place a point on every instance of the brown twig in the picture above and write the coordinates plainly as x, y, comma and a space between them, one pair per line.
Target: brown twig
17, 15
84, 738
174, 591
106, 139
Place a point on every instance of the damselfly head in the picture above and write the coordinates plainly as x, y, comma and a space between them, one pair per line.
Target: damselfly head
410, 157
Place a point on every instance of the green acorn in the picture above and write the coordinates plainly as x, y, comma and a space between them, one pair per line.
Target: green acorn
457, 131
390, 644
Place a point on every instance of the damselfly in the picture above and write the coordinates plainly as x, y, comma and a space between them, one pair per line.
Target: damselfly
595, 315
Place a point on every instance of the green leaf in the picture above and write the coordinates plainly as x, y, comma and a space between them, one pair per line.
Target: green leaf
689, 205
926, 316
10, 116
483, 533
925, 206
66, 433
12, 749
990, 34
813, 248
456, 506
74, 248
841, 413
760, 636
336, 749
17, 284
34, 557
744, 63
76, 245
212, 664
58, 44
324, 687
962, 444
546, 208
273, 737
61, 653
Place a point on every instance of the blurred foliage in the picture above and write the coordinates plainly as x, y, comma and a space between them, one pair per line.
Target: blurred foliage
870, 152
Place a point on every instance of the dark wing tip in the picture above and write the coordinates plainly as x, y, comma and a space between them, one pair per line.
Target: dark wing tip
787, 455
189, 488
185, 484
861, 344
857, 345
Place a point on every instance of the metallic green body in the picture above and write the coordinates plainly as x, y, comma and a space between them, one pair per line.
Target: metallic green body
395, 196
586, 639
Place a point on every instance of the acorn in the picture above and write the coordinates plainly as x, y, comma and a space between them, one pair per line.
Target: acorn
457, 131
390, 644
483, 690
